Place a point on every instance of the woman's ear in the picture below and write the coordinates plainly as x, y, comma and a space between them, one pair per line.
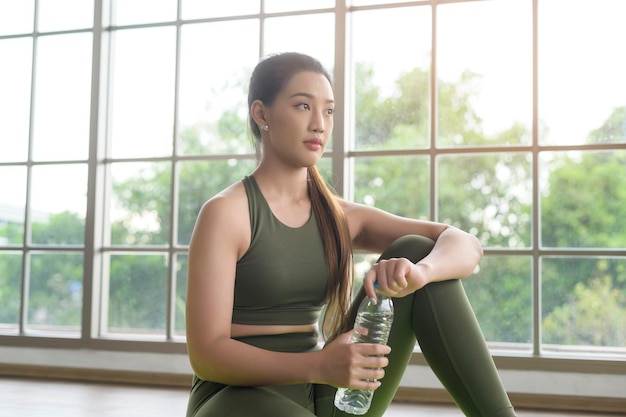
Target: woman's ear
257, 111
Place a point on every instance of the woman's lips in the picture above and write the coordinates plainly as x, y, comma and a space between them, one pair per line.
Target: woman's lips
314, 144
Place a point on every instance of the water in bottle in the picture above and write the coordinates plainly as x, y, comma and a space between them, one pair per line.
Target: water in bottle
372, 325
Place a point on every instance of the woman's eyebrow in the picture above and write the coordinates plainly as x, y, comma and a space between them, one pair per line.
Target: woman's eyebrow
309, 96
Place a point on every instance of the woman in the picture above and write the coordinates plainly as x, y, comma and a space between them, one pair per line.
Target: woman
268, 252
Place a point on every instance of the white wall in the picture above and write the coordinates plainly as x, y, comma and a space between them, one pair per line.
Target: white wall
418, 376
536, 382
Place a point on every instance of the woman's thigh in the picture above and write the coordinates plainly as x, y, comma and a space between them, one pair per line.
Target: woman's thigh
279, 401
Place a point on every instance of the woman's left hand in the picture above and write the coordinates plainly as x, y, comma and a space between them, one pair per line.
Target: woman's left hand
396, 277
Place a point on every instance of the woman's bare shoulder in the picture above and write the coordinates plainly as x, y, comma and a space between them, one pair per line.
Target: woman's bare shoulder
228, 201
226, 213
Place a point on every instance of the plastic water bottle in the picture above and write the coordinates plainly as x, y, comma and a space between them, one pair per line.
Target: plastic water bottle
372, 325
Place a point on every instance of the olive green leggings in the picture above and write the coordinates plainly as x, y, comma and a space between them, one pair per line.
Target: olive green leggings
439, 316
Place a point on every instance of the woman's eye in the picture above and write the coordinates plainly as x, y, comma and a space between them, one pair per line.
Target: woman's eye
330, 112
303, 106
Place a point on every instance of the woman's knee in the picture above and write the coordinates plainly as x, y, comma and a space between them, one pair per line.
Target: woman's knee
412, 247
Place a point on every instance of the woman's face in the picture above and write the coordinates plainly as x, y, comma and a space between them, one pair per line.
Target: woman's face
301, 120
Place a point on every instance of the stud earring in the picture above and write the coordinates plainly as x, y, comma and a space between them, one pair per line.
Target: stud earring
265, 127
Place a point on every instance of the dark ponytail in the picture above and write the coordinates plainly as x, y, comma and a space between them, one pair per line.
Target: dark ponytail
338, 248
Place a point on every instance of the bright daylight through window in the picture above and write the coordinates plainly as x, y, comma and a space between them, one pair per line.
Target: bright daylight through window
113, 134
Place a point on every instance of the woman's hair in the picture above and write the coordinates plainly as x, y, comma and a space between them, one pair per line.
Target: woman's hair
268, 78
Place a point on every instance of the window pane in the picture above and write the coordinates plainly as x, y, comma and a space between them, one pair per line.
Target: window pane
132, 12
137, 294
324, 166
16, 16
59, 204
484, 65
583, 302
363, 262
501, 296
64, 15
15, 74
198, 9
142, 107
285, 34
10, 293
581, 72
201, 180
582, 199
62, 97
12, 205
181, 294
141, 204
489, 195
213, 91
55, 295
391, 89
372, 2
383, 182
275, 6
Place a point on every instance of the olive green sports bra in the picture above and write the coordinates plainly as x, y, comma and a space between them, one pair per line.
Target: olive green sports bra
282, 277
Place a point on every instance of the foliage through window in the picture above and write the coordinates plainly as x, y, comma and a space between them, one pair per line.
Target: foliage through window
101, 182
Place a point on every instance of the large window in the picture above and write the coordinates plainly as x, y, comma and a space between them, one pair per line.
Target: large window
506, 118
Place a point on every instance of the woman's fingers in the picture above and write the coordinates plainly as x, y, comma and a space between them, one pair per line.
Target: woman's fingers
353, 365
396, 277
391, 275
368, 365
368, 369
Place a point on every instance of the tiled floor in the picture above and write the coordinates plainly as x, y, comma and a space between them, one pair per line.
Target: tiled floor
34, 398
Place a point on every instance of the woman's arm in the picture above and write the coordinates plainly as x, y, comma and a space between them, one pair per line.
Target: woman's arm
220, 238
455, 254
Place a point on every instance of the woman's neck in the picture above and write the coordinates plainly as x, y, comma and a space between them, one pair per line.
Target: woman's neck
282, 183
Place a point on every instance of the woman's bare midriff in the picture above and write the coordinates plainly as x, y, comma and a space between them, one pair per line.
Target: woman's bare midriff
240, 330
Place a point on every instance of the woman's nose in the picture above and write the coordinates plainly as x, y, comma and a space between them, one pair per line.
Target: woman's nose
317, 123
